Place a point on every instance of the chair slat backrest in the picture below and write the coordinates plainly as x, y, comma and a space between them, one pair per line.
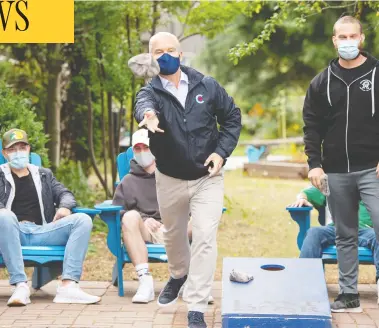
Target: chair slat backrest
123, 162
34, 158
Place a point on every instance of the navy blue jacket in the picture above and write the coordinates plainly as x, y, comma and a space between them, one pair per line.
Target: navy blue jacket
191, 134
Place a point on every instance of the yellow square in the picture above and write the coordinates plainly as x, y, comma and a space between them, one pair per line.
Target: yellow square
37, 21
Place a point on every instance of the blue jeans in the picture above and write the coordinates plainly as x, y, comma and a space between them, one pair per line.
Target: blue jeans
317, 238
72, 231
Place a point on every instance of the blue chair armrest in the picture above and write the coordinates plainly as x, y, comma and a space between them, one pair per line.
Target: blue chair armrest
106, 206
90, 211
110, 214
302, 216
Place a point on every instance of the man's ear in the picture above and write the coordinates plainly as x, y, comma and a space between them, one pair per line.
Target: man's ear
4, 154
181, 56
363, 38
334, 39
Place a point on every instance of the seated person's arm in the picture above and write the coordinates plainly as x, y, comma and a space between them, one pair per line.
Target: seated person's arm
310, 197
63, 198
124, 197
2, 206
2, 195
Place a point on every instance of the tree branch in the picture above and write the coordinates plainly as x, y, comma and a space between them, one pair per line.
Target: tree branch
154, 23
186, 19
332, 7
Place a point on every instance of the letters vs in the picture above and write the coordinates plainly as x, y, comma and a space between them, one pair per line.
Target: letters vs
20, 6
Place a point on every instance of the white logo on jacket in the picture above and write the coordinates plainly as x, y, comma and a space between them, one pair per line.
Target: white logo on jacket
199, 99
365, 85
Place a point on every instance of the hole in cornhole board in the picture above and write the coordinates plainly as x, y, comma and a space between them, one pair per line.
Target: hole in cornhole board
272, 267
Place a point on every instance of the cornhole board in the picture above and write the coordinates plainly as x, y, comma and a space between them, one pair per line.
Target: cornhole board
285, 293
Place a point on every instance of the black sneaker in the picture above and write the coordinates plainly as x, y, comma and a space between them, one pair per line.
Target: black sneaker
346, 303
196, 320
170, 292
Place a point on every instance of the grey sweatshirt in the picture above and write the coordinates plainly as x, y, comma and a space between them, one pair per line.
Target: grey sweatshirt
137, 191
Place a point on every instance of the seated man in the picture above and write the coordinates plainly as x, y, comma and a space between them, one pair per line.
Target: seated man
141, 220
28, 198
318, 238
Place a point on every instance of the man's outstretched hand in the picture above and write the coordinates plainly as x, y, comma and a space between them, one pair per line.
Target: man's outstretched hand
216, 165
150, 120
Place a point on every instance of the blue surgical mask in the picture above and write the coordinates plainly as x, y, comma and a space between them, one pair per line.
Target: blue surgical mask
19, 159
168, 64
348, 49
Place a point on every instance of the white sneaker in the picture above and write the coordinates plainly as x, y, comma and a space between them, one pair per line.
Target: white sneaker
145, 291
20, 296
72, 294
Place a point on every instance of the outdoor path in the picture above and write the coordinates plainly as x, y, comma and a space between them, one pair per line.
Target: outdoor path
119, 312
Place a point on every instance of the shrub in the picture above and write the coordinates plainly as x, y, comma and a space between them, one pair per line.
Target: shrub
16, 112
71, 174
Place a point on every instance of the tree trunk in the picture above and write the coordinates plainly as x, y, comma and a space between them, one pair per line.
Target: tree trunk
120, 118
53, 103
103, 138
155, 17
90, 140
111, 139
131, 129
102, 77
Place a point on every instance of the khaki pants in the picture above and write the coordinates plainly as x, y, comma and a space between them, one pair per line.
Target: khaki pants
203, 198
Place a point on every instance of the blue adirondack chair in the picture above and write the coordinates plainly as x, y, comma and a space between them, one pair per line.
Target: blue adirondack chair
110, 214
302, 216
46, 260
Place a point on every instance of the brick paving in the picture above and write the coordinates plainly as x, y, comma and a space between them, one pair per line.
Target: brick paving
117, 312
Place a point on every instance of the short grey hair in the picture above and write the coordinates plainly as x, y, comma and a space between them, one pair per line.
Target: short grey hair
166, 34
348, 20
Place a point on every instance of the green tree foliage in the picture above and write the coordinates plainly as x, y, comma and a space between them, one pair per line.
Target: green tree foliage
16, 111
280, 46
299, 13
290, 55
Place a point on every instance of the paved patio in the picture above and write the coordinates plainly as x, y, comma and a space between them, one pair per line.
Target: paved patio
114, 311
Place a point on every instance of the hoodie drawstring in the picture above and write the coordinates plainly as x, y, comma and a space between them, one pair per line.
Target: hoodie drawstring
328, 87
372, 91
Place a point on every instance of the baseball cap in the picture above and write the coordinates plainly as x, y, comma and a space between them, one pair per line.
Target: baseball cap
14, 136
140, 136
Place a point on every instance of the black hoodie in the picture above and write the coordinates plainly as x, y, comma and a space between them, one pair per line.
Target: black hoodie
137, 191
341, 117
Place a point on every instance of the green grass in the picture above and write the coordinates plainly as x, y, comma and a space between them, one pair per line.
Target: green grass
255, 225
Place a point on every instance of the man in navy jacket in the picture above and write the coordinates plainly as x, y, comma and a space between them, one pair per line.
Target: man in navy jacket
182, 109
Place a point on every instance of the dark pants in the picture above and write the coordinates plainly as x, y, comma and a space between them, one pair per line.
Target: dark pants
346, 190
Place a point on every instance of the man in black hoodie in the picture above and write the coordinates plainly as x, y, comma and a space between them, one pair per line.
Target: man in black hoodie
341, 136
182, 108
